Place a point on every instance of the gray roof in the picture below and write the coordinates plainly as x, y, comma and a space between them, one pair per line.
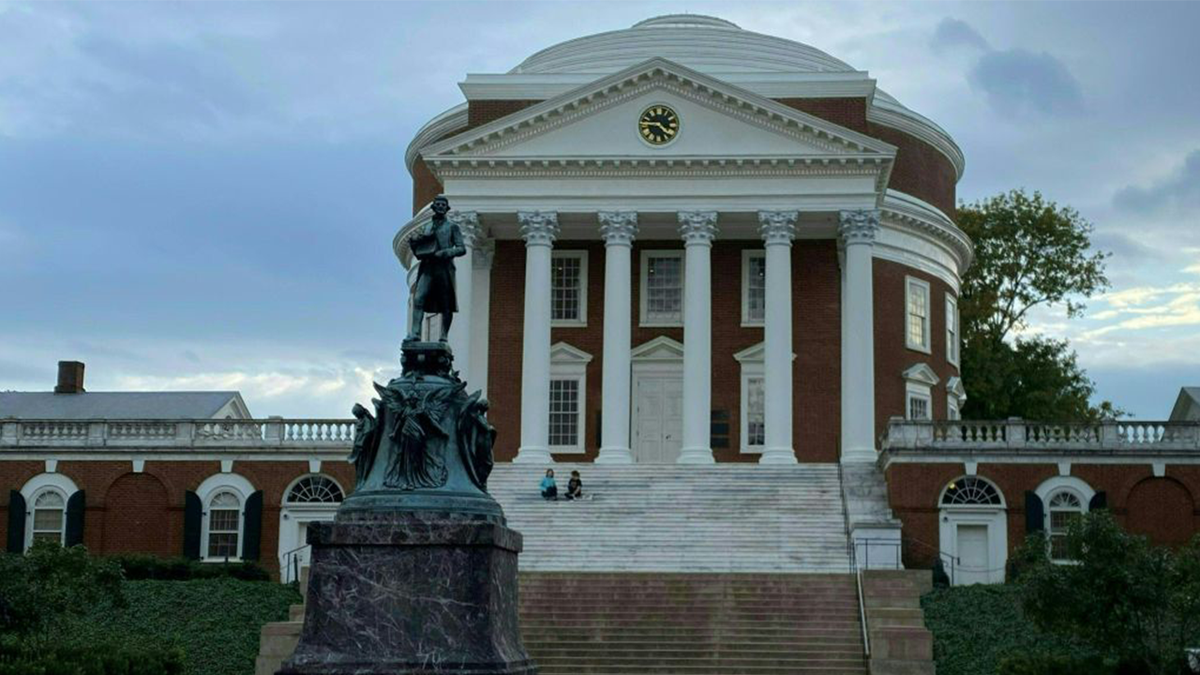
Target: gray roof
128, 405
1187, 406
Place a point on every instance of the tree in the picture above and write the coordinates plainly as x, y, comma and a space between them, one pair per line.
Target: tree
1135, 604
1029, 253
39, 589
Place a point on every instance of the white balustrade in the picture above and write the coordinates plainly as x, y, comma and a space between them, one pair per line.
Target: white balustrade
1017, 434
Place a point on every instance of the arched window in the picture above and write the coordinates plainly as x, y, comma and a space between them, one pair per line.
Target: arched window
971, 491
1062, 509
315, 490
49, 516
224, 525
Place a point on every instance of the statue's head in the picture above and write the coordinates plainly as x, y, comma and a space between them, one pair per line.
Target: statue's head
358, 410
440, 205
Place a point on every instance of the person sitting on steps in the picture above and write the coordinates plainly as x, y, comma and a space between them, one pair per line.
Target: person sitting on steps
549, 488
575, 486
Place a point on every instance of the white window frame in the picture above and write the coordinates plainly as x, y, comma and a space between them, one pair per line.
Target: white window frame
241, 525
956, 396
582, 256
751, 360
953, 331
31, 529
909, 282
1051, 487
570, 363
911, 396
749, 254
38, 485
919, 381
208, 490
644, 284
953, 412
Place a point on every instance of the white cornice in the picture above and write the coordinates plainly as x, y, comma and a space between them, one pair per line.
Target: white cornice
907, 212
448, 121
779, 165
541, 86
898, 117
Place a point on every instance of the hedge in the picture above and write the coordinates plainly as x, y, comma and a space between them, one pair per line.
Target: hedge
140, 567
976, 628
23, 658
214, 623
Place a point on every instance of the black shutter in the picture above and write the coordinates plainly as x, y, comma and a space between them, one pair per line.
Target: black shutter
16, 522
75, 509
1099, 501
193, 511
1034, 513
252, 532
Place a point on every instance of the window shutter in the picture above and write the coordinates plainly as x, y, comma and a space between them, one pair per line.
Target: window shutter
192, 513
252, 532
16, 522
1099, 501
1034, 513
75, 509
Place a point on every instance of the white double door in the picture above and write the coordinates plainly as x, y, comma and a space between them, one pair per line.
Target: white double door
657, 417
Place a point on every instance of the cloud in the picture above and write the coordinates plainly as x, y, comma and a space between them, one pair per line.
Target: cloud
1018, 81
954, 33
1177, 193
1148, 307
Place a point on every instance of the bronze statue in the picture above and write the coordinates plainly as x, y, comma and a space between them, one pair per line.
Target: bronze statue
435, 246
366, 442
476, 436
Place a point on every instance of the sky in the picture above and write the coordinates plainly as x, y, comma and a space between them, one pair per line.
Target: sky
203, 196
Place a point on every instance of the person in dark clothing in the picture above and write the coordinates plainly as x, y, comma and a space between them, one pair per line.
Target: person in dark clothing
549, 488
575, 486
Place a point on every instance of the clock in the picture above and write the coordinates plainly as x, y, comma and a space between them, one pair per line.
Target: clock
658, 125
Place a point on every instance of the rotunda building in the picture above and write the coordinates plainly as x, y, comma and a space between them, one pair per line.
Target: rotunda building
690, 242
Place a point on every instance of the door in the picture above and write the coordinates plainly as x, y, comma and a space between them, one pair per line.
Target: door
973, 558
658, 416
293, 535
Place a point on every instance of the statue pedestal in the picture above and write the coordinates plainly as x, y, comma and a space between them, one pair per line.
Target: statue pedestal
408, 593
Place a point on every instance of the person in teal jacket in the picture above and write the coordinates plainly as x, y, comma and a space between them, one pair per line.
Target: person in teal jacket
549, 488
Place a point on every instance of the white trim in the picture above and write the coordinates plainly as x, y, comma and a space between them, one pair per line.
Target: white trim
314, 466
953, 336
52, 466
747, 255
209, 489
927, 346
139, 466
36, 487
1159, 469
752, 363
1052, 487
312, 474
994, 517
570, 363
953, 411
643, 284
582, 257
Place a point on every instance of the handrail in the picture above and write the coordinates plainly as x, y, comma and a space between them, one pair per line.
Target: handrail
291, 562
855, 568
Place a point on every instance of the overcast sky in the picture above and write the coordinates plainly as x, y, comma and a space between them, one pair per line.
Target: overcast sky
202, 196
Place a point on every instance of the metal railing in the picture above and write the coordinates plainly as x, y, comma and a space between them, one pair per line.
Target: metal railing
855, 569
289, 562
895, 561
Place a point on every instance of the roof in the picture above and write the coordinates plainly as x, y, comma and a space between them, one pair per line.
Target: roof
1187, 406
139, 405
704, 43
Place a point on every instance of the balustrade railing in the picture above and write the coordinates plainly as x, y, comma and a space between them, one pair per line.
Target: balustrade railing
273, 432
1019, 434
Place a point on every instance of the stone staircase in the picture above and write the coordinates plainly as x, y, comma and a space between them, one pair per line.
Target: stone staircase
672, 518
802, 624
900, 643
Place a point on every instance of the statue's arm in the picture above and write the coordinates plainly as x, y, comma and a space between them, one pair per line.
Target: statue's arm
457, 248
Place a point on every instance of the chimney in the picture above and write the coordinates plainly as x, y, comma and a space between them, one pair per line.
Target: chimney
70, 377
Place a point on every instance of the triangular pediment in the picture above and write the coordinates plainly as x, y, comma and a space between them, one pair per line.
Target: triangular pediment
955, 386
921, 373
754, 354
563, 353
661, 348
718, 121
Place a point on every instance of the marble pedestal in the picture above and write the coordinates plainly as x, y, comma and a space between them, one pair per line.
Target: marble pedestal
412, 593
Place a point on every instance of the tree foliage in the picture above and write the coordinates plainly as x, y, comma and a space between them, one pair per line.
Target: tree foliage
44, 587
1136, 604
1029, 253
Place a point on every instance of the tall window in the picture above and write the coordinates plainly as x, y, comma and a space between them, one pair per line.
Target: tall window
568, 288
952, 336
564, 413
754, 287
49, 516
1064, 508
917, 303
224, 525
952, 411
756, 405
662, 287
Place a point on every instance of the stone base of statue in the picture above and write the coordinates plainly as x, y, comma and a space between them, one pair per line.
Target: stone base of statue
418, 572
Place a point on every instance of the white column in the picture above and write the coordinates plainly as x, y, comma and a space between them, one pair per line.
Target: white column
857, 229
481, 298
778, 230
538, 228
618, 229
698, 229
460, 330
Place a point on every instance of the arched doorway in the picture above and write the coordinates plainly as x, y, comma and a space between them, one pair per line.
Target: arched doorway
1162, 509
972, 531
313, 498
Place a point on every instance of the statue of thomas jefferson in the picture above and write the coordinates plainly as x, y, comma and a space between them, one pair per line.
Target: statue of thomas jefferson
436, 246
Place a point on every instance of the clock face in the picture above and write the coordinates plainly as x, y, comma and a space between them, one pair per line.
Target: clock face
658, 125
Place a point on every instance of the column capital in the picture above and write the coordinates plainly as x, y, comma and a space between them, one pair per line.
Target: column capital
858, 227
538, 228
468, 224
618, 228
778, 227
482, 253
698, 227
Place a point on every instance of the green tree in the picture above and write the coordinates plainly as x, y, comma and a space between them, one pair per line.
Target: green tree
47, 585
1029, 253
1136, 604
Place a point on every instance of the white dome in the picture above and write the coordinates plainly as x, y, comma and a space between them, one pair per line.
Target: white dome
704, 43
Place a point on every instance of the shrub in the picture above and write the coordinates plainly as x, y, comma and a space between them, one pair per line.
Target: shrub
41, 588
22, 658
1055, 664
142, 567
